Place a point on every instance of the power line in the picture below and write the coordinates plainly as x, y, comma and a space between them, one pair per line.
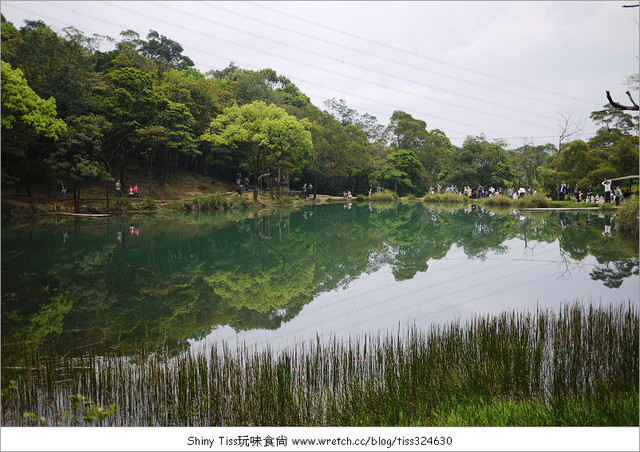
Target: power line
405, 63
350, 76
398, 49
298, 62
244, 63
341, 74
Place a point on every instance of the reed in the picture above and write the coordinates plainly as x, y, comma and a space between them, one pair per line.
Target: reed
574, 366
445, 198
211, 203
385, 195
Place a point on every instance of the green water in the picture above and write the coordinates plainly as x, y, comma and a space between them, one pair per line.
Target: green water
119, 285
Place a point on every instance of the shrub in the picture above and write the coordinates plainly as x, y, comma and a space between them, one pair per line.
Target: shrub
385, 196
445, 198
149, 204
627, 215
498, 201
212, 203
532, 201
361, 198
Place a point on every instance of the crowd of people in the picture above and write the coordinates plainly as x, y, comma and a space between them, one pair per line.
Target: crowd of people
133, 190
482, 191
564, 192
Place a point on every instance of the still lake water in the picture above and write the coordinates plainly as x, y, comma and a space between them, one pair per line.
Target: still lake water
121, 284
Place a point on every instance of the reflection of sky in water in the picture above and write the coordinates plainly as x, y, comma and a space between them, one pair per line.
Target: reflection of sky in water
452, 288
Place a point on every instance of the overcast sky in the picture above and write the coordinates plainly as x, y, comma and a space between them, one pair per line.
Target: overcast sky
508, 70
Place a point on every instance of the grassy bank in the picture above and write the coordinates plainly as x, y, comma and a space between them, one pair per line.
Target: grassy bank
576, 366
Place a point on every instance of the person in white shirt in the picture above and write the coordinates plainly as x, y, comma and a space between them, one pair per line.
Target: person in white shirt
607, 190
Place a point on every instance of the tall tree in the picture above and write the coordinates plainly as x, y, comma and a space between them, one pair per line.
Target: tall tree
130, 102
266, 136
78, 155
29, 126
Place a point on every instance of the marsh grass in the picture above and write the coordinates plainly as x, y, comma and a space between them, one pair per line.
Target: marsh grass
211, 203
575, 366
445, 198
627, 215
385, 195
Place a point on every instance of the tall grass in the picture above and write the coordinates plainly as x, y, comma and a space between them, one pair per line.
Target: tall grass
628, 214
211, 203
445, 198
385, 195
575, 366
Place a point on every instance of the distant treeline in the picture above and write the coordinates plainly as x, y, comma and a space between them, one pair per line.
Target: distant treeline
72, 112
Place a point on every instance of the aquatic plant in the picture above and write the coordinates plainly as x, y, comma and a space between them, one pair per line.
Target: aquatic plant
384, 195
450, 198
628, 214
211, 203
575, 366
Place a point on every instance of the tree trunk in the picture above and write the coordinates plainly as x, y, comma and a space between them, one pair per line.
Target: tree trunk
150, 169
76, 197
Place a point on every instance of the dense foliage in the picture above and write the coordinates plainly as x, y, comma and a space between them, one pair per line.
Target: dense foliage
74, 113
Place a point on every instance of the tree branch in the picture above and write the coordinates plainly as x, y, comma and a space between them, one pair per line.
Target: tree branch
632, 101
620, 106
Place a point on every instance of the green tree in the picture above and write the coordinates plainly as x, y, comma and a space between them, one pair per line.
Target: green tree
130, 102
78, 156
58, 66
265, 135
340, 155
432, 148
480, 162
401, 172
29, 127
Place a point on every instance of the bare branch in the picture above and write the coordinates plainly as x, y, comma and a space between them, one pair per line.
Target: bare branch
620, 106
632, 101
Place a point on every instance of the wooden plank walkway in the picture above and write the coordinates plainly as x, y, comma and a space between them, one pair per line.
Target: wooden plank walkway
96, 215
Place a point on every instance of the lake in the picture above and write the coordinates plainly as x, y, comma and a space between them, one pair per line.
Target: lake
121, 285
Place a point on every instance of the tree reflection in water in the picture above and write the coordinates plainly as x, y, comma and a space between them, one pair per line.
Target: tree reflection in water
178, 279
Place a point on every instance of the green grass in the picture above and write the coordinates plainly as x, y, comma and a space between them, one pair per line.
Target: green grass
445, 198
574, 366
627, 214
385, 195
211, 203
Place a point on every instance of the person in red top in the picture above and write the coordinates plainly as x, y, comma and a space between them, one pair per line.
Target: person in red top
130, 191
135, 191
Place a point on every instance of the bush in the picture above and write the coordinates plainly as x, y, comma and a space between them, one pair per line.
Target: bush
445, 198
149, 204
498, 201
361, 198
532, 201
626, 217
385, 196
212, 203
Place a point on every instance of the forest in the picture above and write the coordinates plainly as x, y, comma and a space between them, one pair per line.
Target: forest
75, 113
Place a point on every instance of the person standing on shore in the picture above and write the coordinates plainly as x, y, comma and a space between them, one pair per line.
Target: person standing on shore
589, 194
607, 190
118, 189
618, 195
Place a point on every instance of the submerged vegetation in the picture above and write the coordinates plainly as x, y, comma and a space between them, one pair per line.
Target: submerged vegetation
576, 366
